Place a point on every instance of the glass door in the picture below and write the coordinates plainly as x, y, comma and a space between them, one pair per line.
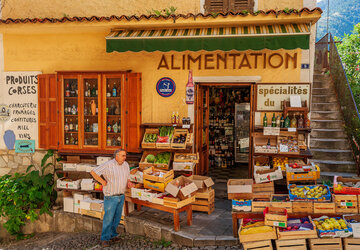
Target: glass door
70, 92
113, 89
91, 110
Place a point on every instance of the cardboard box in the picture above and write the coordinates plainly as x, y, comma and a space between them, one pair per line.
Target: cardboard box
241, 205
87, 184
81, 167
203, 183
184, 166
184, 192
69, 166
239, 188
67, 183
261, 176
101, 159
354, 225
90, 168
85, 203
97, 205
80, 196
137, 192
136, 175
68, 204
77, 208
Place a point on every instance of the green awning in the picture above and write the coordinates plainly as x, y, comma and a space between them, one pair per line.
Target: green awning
256, 37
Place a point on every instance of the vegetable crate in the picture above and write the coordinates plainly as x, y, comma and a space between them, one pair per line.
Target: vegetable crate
325, 244
281, 201
346, 203
276, 217
263, 189
164, 138
302, 207
306, 176
258, 245
204, 201
323, 198
324, 207
150, 137
177, 203
186, 157
259, 236
167, 175
351, 244
298, 234
259, 204
144, 163
179, 133
295, 244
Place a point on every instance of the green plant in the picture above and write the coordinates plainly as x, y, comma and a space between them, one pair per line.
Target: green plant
164, 12
162, 243
24, 197
214, 14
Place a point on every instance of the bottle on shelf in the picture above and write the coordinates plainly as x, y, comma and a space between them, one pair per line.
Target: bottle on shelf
173, 118
72, 90
273, 121
89, 90
66, 107
87, 126
66, 125
268, 145
108, 92
300, 122
113, 141
307, 121
278, 121
115, 127
71, 125
69, 109
71, 139
86, 89
67, 141
76, 126
177, 117
114, 90
119, 89
287, 122
96, 92
282, 125
67, 90
76, 141
93, 91
190, 89
265, 121
76, 90
85, 109
108, 141
293, 122
73, 109
108, 126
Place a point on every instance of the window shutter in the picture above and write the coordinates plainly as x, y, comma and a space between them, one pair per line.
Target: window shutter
133, 112
47, 111
216, 6
240, 5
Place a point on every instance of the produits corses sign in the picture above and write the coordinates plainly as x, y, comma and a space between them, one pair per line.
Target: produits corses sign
165, 87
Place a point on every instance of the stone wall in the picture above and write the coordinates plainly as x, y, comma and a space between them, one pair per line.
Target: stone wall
11, 162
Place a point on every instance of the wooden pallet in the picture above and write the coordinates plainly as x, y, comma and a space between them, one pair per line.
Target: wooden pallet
258, 245
298, 244
351, 244
325, 244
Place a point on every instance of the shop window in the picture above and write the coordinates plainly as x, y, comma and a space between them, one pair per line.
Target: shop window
216, 6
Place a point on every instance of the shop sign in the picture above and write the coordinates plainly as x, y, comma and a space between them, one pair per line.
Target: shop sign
4, 112
24, 146
270, 97
165, 87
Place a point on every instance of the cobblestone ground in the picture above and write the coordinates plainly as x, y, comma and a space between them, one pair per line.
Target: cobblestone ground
92, 241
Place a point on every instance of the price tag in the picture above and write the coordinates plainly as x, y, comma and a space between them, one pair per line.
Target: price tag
347, 204
279, 224
284, 148
271, 131
291, 129
244, 143
186, 126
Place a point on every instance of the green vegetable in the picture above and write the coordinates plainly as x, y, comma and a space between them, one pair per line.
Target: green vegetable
163, 157
150, 137
150, 158
166, 131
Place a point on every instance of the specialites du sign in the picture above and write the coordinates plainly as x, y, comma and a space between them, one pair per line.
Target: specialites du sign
271, 96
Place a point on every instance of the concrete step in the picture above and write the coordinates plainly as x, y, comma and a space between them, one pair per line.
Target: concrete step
322, 84
318, 77
332, 154
322, 106
332, 174
325, 143
324, 98
335, 166
326, 115
323, 91
328, 133
327, 124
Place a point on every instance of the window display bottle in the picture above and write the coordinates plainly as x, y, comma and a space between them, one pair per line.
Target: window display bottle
293, 122
89, 90
278, 121
71, 139
85, 109
72, 90
87, 126
67, 90
265, 121
66, 107
76, 125
71, 125
301, 122
67, 140
287, 122
114, 90
108, 126
282, 121
108, 93
108, 142
273, 121
86, 89
66, 125
115, 127
93, 91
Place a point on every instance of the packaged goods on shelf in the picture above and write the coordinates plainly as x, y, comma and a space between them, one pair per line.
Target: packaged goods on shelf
90, 168
265, 144
157, 175
69, 166
181, 188
266, 175
87, 184
82, 167
160, 160
203, 183
184, 166
281, 201
102, 159
137, 193
309, 192
78, 197
98, 186
346, 203
160, 198
68, 204
241, 205
346, 185
288, 143
353, 222
332, 227
97, 205
239, 188
136, 175
68, 183
276, 217
85, 203
301, 228
186, 157
255, 230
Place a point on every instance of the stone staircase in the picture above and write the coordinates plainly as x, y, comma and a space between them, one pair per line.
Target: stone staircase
328, 141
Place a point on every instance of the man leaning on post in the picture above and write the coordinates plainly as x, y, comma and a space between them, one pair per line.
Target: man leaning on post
116, 174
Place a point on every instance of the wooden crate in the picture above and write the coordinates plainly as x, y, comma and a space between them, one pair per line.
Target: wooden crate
91, 213
281, 204
259, 206
302, 207
346, 204
324, 207
176, 203
295, 244
204, 201
275, 217
176, 133
208, 208
263, 188
190, 139
149, 144
143, 165
293, 235
208, 195
255, 237
168, 175
351, 244
186, 157
325, 244
258, 245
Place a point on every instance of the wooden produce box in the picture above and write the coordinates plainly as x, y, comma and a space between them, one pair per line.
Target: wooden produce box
239, 189
324, 207
168, 175
143, 164
177, 133
295, 244
262, 190
177, 203
325, 244
281, 204
302, 207
258, 245
259, 204
351, 244
276, 217
262, 175
288, 140
190, 139
204, 201
293, 235
186, 157
243, 238
149, 144
345, 190
306, 176
346, 204
92, 213
261, 141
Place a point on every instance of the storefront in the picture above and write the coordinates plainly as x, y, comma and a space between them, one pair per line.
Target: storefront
93, 98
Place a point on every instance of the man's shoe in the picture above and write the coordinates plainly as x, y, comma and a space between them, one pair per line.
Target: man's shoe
116, 239
105, 243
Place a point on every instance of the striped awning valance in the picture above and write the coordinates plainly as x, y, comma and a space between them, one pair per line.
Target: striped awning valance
275, 36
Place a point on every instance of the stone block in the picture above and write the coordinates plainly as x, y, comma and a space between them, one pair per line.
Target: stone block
4, 171
83, 224
12, 164
26, 161
11, 152
166, 234
64, 222
18, 159
226, 241
3, 162
96, 225
134, 225
152, 231
29, 227
3, 151
37, 157
183, 239
11, 158
202, 241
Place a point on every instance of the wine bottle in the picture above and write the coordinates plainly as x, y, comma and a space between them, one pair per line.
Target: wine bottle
67, 140
273, 121
287, 122
86, 89
67, 90
66, 107
293, 122
108, 93
71, 139
87, 126
300, 122
66, 126
76, 126
71, 125
190, 90
282, 121
93, 91
114, 91
265, 121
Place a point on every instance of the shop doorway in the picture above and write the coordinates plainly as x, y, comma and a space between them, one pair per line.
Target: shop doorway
223, 128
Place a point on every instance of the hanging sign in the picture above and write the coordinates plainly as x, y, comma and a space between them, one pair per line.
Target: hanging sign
165, 87
24, 146
4, 112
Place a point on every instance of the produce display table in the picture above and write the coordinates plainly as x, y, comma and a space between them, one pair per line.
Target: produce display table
247, 215
174, 211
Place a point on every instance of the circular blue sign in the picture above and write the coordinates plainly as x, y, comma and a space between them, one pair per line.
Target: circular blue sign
165, 87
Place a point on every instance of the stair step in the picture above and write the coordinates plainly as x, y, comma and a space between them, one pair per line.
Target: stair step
328, 133
326, 115
327, 124
323, 106
347, 175
324, 98
318, 77
335, 166
322, 84
323, 91
323, 143
332, 154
